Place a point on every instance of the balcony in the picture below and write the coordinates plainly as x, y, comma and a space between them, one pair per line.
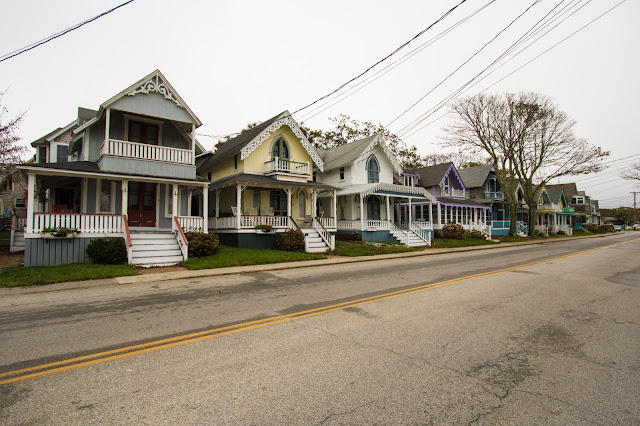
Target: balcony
141, 151
494, 195
457, 193
287, 167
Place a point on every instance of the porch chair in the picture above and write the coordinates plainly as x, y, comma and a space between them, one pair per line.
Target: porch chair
270, 213
253, 211
234, 210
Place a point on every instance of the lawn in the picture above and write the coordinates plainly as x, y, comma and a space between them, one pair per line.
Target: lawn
18, 276
450, 243
359, 248
233, 256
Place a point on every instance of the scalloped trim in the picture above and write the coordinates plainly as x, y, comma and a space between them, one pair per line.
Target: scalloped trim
154, 84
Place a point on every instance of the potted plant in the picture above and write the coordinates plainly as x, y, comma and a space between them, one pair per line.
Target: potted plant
266, 229
60, 232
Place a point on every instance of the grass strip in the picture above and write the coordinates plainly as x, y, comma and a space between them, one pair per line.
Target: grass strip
18, 276
233, 256
451, 243
360, 248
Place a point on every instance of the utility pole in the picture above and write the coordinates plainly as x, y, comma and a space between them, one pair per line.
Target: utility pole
635, 217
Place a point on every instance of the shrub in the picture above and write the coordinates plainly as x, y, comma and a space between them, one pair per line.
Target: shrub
607, 228
202, 244
561, 232
264, 228
477, 235
453, 231
107, 251
291, 240
539, 233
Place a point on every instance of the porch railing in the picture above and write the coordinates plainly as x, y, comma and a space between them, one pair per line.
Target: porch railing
377, 224
330, 240
494, 195
246, 222
327, 222
147, 152
127, 239
284, 165
420, 232
191, 223
182, 239
424, 224
521, 228
348, 225
399, 233
86, 223
543, 228
455, 193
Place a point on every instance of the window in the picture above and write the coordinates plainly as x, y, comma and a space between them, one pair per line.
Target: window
280, 149
142, 132
62, 154
42, 154
21, 202
256, 201
408, 180
446, 185
341, 173
106, 196
209, 176
373, 170
235, 163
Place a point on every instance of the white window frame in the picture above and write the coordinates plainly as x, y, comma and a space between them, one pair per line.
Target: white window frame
112, 202
128, 118
168, 198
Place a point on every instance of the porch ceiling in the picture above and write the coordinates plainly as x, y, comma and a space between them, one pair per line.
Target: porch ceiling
265, 181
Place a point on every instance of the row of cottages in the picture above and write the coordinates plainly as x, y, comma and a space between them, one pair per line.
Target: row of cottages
133, 169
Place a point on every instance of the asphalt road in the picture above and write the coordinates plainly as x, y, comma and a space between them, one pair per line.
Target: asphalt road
531, 334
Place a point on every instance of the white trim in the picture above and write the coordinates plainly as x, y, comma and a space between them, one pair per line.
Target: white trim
284, 119
168, 188
129, 117
85, 125
112, 200
378, 140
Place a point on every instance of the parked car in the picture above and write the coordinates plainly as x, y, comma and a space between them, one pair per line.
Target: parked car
617, 228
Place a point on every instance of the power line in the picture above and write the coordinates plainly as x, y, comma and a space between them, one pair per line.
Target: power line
383, 59
59, 34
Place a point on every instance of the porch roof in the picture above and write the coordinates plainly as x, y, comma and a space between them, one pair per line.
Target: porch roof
90, 169
387, 189
462, 202
261, 180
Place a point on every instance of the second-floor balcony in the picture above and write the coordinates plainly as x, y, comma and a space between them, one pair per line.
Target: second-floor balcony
452, 192
283, 165
493, 195
141, 151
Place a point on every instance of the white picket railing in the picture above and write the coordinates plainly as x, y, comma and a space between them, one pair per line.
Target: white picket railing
420, 232
253, 221
378, 224
327, 222
287, 166
229, 222
144, 151
424, 224
330, 240
348, 225
86, 223
399, 233
191, 223
182, 239
18, 223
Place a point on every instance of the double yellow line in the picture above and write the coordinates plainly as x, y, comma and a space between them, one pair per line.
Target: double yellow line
144, 348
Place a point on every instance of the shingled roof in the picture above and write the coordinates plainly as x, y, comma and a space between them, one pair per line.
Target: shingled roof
344, 155
432, 175
569, 189
474, 177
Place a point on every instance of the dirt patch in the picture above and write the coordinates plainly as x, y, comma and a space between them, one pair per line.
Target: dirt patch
145, 271
10, 259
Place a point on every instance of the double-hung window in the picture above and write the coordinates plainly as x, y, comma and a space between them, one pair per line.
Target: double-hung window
373, 170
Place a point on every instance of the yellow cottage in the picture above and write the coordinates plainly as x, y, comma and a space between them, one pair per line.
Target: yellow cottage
262, 183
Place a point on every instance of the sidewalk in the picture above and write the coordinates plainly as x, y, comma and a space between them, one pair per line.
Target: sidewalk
176, 275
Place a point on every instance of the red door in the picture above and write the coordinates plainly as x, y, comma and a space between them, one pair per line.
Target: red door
142, 204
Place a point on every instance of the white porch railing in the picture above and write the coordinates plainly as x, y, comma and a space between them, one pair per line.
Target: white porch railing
564, 228
377, 224
191, 223
86, 223
246, 222
147, 152
424, 224
480, 227
182, 239
283, 165
455, 193
420, 232
399, 233
348, 225
327, 222
330, 240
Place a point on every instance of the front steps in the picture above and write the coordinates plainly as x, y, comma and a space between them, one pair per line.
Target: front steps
414, 240
155, 248
18, 242
315, 243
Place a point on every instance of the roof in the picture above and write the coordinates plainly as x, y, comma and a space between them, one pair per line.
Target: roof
569, 189
234, 146
387, 189
345, 154
463, 202
92, 167
265, 180
44, 138
555, 193
474, 177
86, 114
432, 175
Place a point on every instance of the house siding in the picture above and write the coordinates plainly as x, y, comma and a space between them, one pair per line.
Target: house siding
147, 168
255, 161
50, 252
153, 105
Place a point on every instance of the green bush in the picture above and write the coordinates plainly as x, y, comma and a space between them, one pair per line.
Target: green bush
477, 235
291, 240
202, 244
265, 228
453, 231
607, 228
561, 232
107, 251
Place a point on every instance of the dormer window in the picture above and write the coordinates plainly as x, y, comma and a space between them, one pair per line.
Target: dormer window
280, 149
341, 173
373, 170
62, 153
42, 154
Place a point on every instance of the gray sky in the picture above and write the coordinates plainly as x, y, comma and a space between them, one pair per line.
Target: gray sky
238, 62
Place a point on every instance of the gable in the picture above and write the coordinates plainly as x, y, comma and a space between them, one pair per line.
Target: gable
369, 150
453, 176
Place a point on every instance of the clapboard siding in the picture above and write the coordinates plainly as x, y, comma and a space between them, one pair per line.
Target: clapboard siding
53, 251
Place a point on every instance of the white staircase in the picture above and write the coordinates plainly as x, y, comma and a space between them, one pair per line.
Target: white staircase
414, 239
314, 243
155, 249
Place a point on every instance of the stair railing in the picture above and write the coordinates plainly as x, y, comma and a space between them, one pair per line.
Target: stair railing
127, 238
182, 239
330, 240
404, 237
421, 233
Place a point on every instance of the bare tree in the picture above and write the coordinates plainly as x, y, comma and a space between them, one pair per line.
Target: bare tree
10, 151
493, 125
632, 173
550, 150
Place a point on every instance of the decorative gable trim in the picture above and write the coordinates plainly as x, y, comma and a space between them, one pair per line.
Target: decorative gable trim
455, 173
154, 84
379, 141
284, 120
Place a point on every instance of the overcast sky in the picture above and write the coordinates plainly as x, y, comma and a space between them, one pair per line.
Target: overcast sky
239, 62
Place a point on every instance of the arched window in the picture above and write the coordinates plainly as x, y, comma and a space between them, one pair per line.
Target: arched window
373, 170
280, 149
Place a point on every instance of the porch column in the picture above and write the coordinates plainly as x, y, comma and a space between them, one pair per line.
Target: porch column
361, 212
107, 120
217, 203
475, 215
388, 208
85, 199
125, 198
174, 205
410, 212
238, 204
205, 209
314, 201
431, 214
31, 187
193, 144
288, 191
439, 211
335, 208
189, 201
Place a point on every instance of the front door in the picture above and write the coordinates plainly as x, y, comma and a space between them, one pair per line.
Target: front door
142, 204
